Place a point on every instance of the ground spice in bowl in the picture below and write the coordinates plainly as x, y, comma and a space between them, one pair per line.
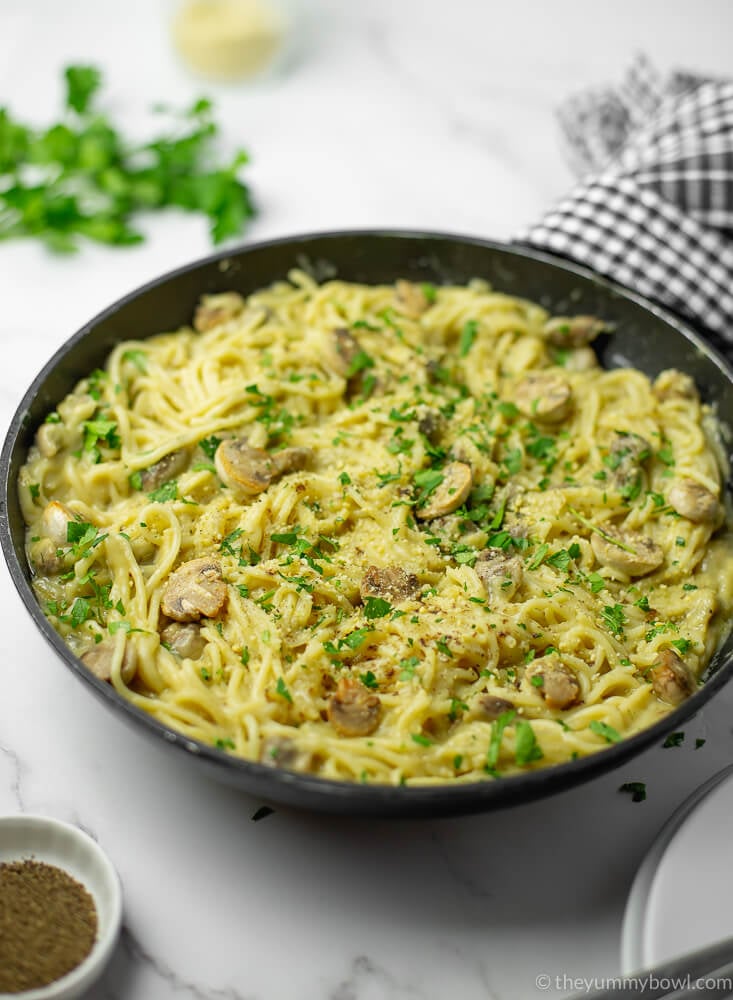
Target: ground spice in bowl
48, 924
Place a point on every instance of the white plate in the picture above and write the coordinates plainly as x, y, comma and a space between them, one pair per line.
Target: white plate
681, 897
69, 848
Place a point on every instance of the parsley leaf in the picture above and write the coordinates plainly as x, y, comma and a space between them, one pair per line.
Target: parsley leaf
526, 747
468, 335
609, 734
497, 733
282, 690
636, 789
614, 618
376, 607
165, 493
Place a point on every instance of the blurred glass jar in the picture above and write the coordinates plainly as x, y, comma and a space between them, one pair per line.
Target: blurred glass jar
230, 40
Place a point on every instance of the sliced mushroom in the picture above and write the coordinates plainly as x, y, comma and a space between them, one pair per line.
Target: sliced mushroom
627, 445
673, 384
195, 590
492, 707
49, 439
354, 710
671, 678
55, 522
167, 468
345, 348
626, 457
582, 359
410, 299
450, 494
251, 470
391, 582
290, 460
216, 309
184, 640
278, 751
694, 501
544, 396
501, 574
573, 331
430, 422
99, 661
638, 556
560, 686
46, 557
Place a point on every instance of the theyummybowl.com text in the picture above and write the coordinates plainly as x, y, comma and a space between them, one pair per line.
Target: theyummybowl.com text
643, 982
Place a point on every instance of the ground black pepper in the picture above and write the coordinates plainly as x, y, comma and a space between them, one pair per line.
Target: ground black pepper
48, 924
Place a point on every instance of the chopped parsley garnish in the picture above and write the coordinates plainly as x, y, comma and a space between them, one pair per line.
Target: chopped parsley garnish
345, 479
674, 740
468, 335
359, 362
526, 747
35, 490
636, 789
614, 618
225, 744
376, 607
137, 358
282, 690
427, 481
429, 291
369, 680
165, 493
538, 558
443, 647
609, 734
666, 455
596, 581
699, 743
683, 645
82, 537
497, 733
423, 741
407, 668
209, 445
642, 603
99, 431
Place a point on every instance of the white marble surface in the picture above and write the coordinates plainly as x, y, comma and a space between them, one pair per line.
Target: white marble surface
405, 113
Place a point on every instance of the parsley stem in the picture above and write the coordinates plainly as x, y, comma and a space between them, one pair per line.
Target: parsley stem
599, 531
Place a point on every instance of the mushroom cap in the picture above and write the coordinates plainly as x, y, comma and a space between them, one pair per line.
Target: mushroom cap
184, 639
573, 331
391, 582
500, 573
55, 521
544, 396
194, 590
491, 706
216, 309
671, 678
410, 299
244, 468
581, 359
694, 501
354, 710
450, 493
645, 558
560, 687
99, 660
166, 468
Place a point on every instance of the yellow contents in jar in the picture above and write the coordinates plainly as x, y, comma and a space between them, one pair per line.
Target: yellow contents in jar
228, 39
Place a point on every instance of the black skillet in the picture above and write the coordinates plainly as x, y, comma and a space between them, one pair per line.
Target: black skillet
646, 338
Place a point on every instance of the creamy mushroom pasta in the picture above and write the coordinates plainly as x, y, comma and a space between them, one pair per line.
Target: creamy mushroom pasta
398, 534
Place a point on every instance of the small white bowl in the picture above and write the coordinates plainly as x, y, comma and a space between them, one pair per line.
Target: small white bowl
67, 847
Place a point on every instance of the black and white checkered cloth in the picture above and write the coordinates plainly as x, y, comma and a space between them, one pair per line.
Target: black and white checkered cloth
654, 208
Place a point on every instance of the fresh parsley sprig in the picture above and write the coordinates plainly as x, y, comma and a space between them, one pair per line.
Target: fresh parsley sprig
83, 179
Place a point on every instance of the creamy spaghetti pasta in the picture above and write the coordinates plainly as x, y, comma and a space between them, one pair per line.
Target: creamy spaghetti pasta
397, 534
